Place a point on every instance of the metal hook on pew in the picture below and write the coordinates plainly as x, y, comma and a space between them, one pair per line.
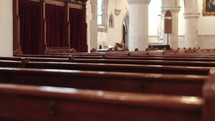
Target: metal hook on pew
141, 88
24, 61
52, 109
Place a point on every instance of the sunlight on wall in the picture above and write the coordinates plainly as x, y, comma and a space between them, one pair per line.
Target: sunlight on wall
154, 19
181, 22
114, 34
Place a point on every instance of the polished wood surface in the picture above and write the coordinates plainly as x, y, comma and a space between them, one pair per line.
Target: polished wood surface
162, 69
209, 96
135, 68
65, 104
147, 62
114, 81
65, 90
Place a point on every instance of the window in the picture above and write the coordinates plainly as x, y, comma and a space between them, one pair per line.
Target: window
100, 12
102, 15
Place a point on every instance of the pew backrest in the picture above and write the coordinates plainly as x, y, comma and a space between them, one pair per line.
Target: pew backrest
43, 103
174, 84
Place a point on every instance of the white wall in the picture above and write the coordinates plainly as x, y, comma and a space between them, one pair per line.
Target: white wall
114, 35
154, 19
181, 25
6, 28
206, 25
181, 21
206, 29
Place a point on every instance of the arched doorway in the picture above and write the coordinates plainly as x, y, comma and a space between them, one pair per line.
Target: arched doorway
168, 25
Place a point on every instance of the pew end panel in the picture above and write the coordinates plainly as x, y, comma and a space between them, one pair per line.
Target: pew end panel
209, 96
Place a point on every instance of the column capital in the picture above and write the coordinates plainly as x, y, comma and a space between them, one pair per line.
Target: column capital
191, 15
174, 9
139, 1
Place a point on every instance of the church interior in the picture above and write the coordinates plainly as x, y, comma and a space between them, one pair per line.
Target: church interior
107, 60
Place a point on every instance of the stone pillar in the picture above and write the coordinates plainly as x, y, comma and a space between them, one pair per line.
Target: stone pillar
138, 24
174, 36
191, 16
93, 26
174, 8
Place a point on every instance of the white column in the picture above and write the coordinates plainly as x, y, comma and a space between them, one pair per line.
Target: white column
138, 24
191, 16
191, 29
174, 36
93, 26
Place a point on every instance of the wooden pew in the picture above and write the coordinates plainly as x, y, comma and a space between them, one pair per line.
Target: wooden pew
130, 55
197, 115
126, 61
153, 55
191, 58
206, 56
12, 63
159, 56
42, 103
76, 54
179, 67
130, 60
119, 61
135, 68
55, 59
209, 95
147, 62
175, 53
108, 67
172, 84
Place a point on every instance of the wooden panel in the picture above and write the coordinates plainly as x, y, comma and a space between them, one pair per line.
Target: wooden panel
55, 2
168, 26
76, 6
168, 22
18, 46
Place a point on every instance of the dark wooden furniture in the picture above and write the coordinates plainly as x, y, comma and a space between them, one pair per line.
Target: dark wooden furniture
147, 62
159, 47
172, 84
49, 26
64, 94
133, 68
24, 103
